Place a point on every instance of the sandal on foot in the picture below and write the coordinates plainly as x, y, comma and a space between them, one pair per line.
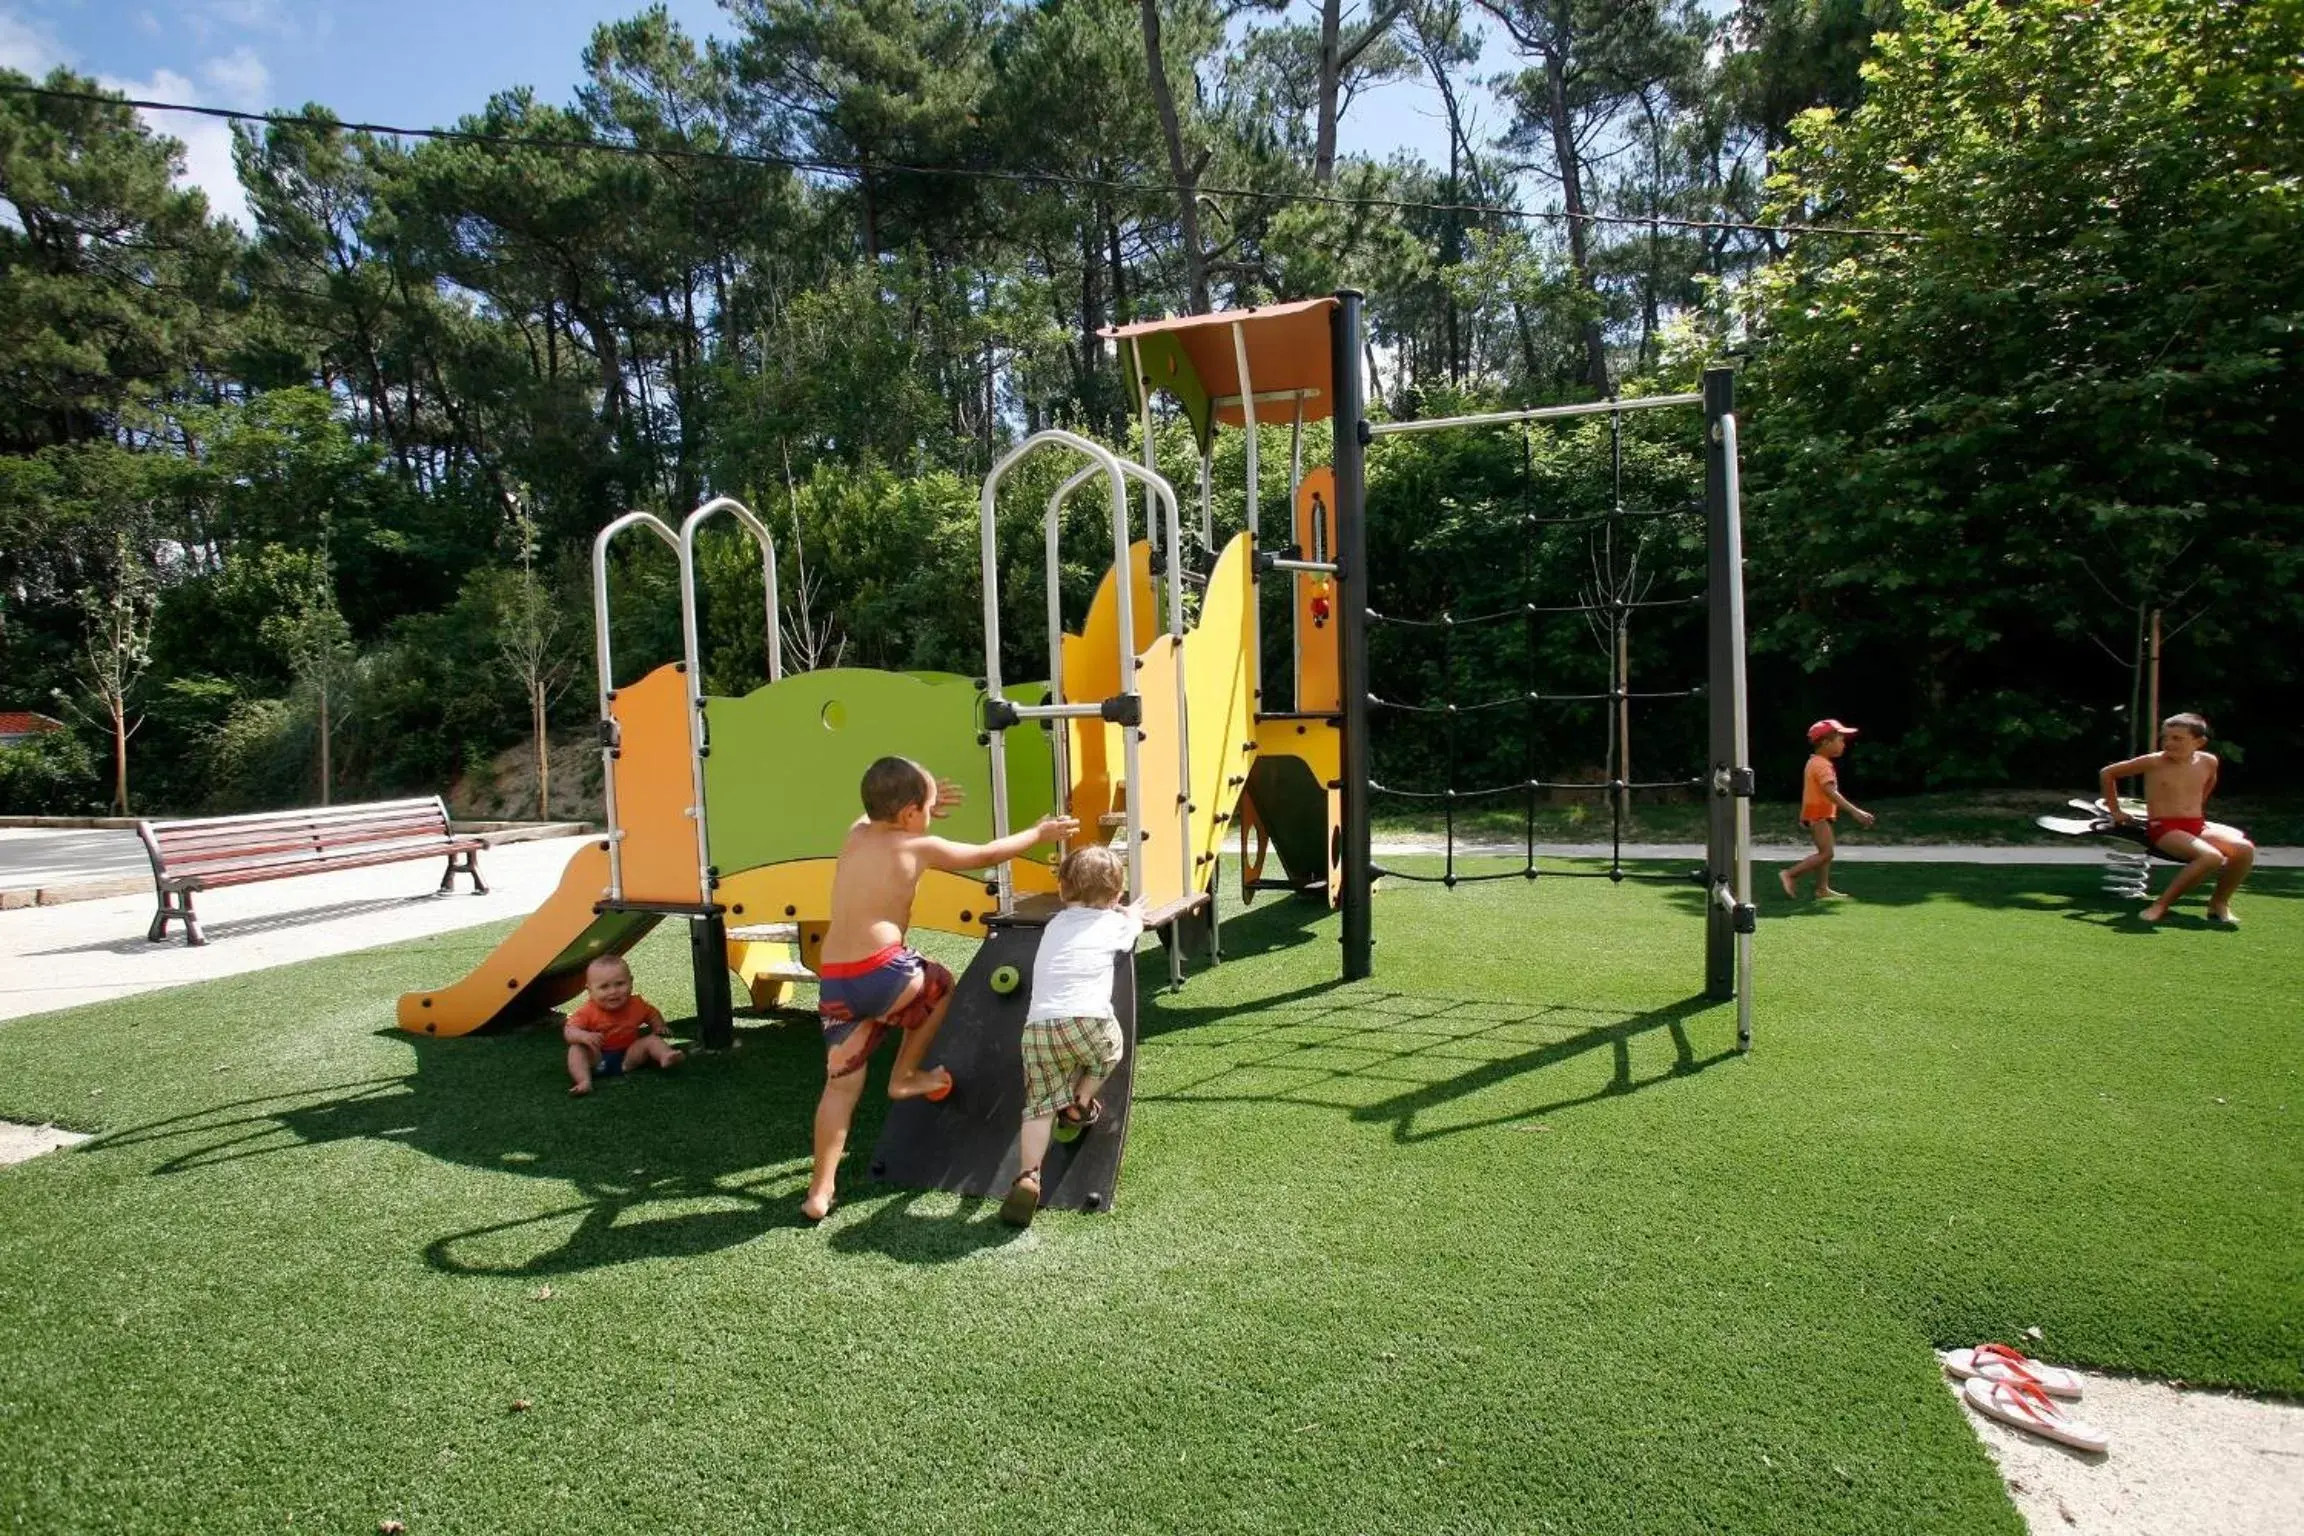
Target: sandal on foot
1999, 1363
1023, 1200
1073, 1122
2024, 1406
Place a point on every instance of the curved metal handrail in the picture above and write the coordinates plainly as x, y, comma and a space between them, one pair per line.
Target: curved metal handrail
603, 660
691, 640
688, 606
1101, 461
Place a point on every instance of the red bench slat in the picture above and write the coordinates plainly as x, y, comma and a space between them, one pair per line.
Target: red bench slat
318, 867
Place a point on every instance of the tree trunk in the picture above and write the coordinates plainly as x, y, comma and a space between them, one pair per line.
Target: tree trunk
1336, 57
1091, 303
1331, 77
2150, 685
1186, 178
119, 753
1571, 170
325, 774
2137, 733
543, 749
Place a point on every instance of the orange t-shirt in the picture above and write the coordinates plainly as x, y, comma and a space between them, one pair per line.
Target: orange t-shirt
1820, 776
618, 1030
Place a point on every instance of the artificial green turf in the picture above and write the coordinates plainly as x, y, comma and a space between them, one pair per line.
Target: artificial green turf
1506, 1240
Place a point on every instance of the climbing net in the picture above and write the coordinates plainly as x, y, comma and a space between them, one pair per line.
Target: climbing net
1617, 588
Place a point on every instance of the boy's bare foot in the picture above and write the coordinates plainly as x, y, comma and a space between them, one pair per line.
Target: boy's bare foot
1791, 887
1023, 1200
818, 1205
579, 1090
1833, 895
2223, 919
2152, 913
934, 1085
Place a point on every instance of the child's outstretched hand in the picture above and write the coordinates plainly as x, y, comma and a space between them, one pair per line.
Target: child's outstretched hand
948, 796
1057, 829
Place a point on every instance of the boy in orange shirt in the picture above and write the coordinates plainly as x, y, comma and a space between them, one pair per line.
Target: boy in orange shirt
1820, 804
614, 1030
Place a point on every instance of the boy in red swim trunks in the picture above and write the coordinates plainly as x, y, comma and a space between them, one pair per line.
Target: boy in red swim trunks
1820, 804
2178, 779
871, 982
614, 1031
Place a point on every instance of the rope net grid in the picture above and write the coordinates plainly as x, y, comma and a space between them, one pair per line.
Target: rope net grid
1613, 593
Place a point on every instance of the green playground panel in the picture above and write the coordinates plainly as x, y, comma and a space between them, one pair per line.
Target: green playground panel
1163, 365
780, 783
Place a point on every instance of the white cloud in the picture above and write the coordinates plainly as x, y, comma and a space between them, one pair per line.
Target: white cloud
267, 16
207, 140
253, 14
27, 46
240, 79
148, 23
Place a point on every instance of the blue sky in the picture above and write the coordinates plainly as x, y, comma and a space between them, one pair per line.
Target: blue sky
422, 62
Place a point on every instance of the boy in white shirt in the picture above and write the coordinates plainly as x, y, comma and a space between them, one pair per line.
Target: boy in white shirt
1072, 1038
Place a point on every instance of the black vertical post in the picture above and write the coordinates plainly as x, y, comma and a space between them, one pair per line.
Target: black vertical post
1720, 690
708, 959
1352, 581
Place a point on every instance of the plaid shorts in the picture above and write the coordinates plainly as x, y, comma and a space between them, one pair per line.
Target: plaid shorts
1058, 1053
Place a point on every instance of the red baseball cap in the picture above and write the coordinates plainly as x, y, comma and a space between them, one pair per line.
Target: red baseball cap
1824, 728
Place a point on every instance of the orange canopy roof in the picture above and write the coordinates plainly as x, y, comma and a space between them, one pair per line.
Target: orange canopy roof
1287, 350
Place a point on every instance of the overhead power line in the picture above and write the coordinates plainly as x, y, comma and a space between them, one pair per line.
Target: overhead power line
856, 171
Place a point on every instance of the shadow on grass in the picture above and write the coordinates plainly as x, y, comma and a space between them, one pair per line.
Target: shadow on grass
1404, 1060
1392, 1057
920, 1227
707, 1156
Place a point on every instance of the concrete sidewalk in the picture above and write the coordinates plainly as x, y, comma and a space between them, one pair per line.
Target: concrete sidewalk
93, 951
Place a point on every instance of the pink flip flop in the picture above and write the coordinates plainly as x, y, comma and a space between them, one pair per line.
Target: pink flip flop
1997, 1362
2026, 1407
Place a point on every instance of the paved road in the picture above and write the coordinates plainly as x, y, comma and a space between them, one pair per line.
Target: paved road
31, 857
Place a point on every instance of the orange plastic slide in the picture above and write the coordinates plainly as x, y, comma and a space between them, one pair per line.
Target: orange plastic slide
541, 963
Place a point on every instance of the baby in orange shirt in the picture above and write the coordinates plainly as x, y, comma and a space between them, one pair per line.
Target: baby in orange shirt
613, 1030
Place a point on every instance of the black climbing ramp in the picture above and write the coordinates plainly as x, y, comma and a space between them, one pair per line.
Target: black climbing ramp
967, 1143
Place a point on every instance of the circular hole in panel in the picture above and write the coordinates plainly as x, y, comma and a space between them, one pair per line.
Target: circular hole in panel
834, 715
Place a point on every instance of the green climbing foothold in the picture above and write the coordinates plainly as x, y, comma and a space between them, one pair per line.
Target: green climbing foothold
1006, 980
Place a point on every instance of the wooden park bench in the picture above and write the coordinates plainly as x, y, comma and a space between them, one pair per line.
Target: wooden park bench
217, 851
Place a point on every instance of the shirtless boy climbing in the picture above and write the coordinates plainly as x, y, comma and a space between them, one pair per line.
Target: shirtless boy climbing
871, 982
2178, 779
